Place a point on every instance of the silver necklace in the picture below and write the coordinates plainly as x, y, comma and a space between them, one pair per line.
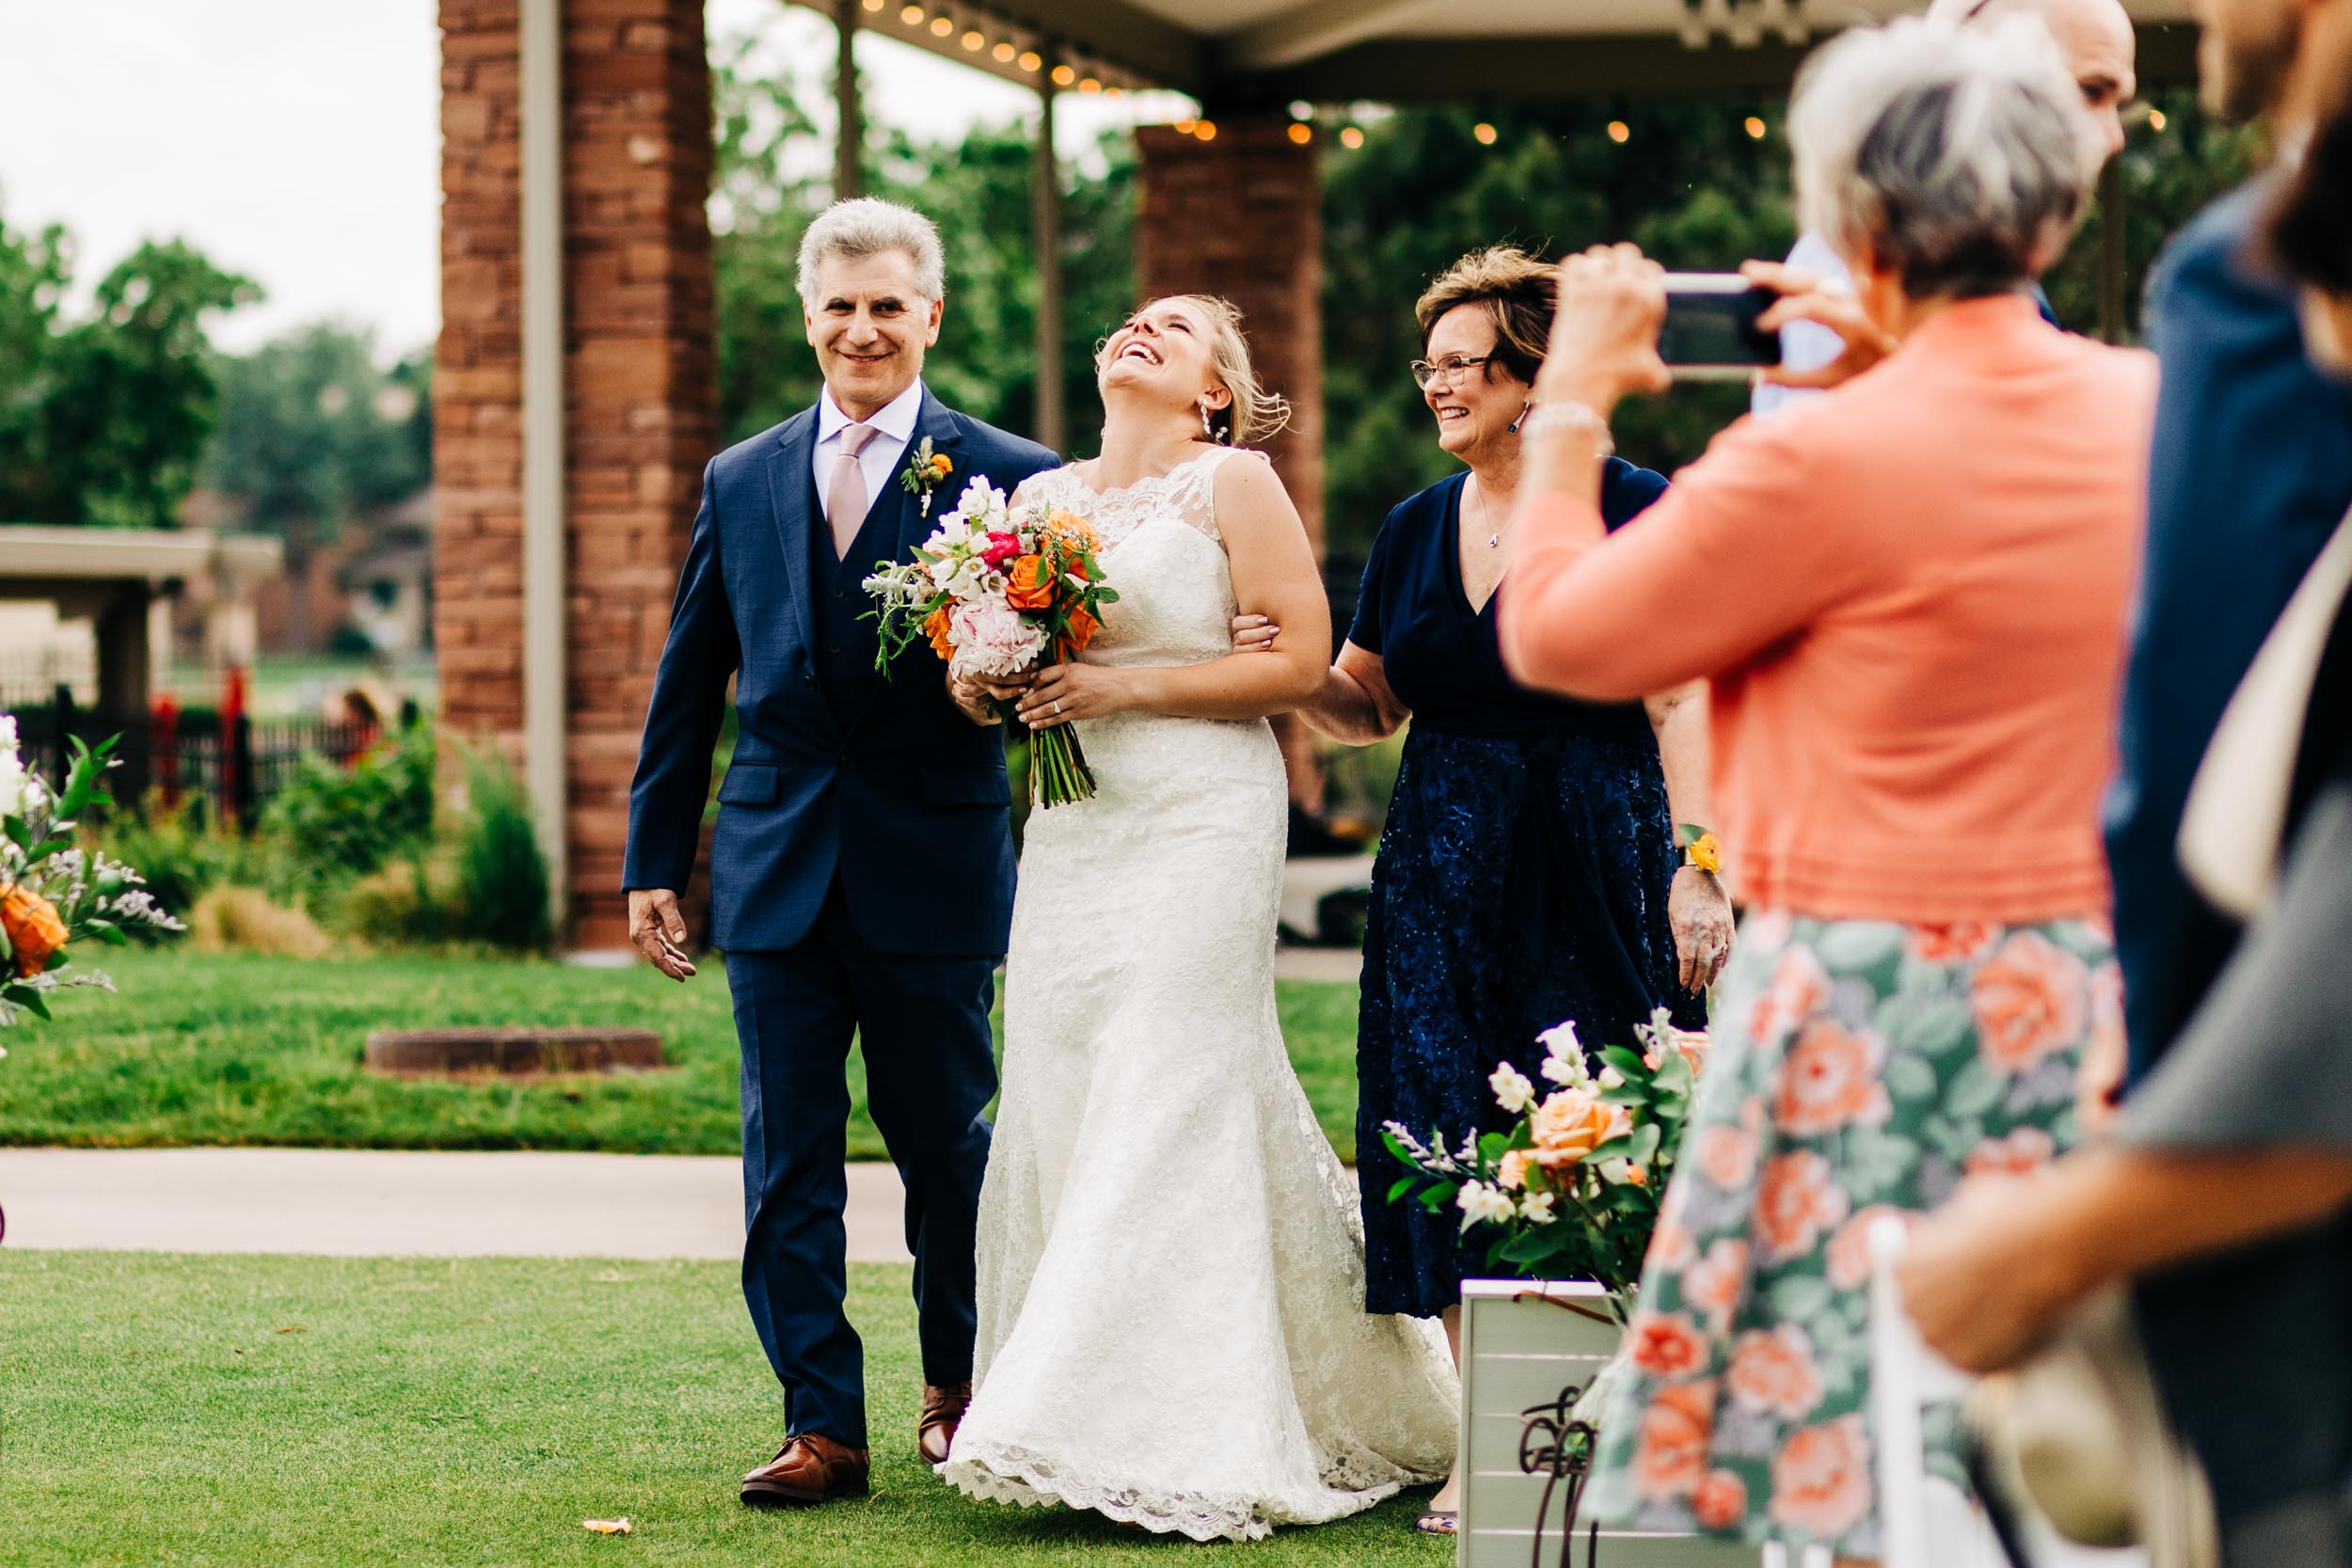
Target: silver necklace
1494, 539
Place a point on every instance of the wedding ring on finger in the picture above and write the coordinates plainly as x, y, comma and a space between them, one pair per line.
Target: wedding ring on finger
1058, 707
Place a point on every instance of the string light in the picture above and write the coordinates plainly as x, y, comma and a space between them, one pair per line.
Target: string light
1620, 132
876, 5
1185, 127
973, 42
1301, 131
1063, 75
1351, 138
2156, 120
1205, 130
1003, 53
911, 16
1114, 90
1485, 133
942, 27
1756, 129
1087, 84
1032, 61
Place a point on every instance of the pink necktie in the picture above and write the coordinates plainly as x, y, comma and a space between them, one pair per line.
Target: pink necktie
845, 498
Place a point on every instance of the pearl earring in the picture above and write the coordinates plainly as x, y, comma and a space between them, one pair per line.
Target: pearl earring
1208, 431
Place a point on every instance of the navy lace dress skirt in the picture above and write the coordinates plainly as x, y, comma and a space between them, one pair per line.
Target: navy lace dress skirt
1522, 880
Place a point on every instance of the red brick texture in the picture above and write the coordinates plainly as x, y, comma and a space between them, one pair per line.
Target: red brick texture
1242, 216
640, 405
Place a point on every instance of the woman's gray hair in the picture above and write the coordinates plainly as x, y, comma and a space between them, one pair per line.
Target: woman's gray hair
869, 226
1958, 155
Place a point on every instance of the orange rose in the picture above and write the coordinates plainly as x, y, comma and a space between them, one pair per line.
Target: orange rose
1670, 1455
2031, 998
1774, 1371
1828, 1080
1571, 1124
1721, 1499
935, 627
1083, 625
1795, 1201
1029, 585
1822, 1478
33, 926
1665, 1344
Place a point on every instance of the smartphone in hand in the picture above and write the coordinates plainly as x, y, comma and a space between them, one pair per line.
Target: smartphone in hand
1710, 333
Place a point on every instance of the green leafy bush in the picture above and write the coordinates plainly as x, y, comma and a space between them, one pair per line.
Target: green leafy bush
502, 883
181, 851
333, 823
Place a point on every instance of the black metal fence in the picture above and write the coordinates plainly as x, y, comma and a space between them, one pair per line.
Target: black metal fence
231, 764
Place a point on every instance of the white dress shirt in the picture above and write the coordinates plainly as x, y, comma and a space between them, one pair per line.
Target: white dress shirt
884, 453
1804, 345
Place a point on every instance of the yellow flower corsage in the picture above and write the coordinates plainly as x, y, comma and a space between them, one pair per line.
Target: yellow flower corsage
1701, 849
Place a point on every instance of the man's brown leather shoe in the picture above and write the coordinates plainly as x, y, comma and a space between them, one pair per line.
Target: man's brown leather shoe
809, 1469
943, 1411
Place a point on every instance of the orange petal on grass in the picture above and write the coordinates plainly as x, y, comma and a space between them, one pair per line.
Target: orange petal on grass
606, 1527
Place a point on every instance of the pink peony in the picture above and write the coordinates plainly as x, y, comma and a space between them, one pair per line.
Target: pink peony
991, 638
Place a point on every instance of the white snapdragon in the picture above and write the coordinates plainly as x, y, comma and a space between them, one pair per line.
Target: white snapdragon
1535, 1208
12, 768
1479, 1201
1513, 1091
1563, 1056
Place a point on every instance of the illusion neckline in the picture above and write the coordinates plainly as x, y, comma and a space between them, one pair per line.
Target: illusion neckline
1080, 480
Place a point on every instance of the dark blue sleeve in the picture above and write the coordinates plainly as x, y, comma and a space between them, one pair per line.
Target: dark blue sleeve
1627, 492
1372, 598
690, 694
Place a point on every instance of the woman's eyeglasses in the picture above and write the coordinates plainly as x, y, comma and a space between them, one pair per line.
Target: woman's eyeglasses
1451, 369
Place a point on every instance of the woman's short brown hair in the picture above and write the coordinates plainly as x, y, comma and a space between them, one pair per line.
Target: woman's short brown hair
1517, 293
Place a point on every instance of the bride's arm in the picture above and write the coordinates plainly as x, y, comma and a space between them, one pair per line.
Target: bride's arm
1274, 575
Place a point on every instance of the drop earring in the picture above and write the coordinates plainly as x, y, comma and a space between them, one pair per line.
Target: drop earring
1208, 432
1520, 420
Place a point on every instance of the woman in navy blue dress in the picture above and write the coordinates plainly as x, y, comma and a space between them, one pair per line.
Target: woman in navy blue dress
1529, 872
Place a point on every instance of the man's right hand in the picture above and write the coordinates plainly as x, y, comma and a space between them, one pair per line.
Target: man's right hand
657, 929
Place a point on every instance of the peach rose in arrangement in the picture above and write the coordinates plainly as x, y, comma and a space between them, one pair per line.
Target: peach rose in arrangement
1830, 1080
2025, 1150
2031, 998
1571, 1124
1720, 1500
1796, 1200
1797, 988
1775, 1370
1670, 1455
1665, 1344
1822, 1478
1848, 1254
33, 926
1028, 584
1512, 1171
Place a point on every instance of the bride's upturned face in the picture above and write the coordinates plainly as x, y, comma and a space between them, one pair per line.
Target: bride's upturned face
1162, 351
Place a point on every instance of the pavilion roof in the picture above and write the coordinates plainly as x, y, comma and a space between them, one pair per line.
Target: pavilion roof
1243, 52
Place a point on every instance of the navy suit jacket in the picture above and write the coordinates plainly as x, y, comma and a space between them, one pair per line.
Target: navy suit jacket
2251, 471
902, 796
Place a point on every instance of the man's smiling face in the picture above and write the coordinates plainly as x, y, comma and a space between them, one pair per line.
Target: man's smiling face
870, 324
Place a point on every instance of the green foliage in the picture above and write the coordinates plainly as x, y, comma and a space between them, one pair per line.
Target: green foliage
978, 193
313, 433
182, 851
104, 420
501, 877
334, 823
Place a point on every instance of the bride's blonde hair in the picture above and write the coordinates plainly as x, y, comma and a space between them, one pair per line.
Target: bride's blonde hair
1255, 413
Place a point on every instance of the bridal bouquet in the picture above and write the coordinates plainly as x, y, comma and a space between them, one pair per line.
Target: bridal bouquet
997, 593
1572, 1189
54, 894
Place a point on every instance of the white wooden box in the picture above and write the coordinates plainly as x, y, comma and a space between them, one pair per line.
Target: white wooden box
1520, 1349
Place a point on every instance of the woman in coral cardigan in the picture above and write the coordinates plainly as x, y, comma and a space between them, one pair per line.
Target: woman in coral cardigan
1908, 596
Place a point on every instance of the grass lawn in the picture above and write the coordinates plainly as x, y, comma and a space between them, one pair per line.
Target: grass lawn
334, 1412
246, 1049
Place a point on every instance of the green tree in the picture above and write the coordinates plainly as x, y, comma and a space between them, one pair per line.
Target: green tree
103, 421
313, 432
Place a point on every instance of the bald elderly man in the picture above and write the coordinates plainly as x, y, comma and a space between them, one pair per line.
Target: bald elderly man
2101, 49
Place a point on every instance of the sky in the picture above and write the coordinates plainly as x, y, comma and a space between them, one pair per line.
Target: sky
299, 141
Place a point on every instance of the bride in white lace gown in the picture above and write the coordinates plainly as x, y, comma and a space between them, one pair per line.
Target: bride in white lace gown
1172, 1325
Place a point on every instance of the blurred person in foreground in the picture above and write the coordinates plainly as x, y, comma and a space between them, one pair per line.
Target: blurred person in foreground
2102, 51
1568, 808
1908, 596
2226, 1191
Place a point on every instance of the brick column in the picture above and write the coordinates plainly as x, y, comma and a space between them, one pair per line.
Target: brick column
1241, 215
640, 405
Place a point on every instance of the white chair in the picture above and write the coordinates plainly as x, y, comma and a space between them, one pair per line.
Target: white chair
1926, 1521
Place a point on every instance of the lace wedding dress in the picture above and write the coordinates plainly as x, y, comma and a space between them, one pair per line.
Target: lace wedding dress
1171, 1324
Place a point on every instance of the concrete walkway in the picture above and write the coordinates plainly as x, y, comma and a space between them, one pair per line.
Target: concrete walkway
371, 1203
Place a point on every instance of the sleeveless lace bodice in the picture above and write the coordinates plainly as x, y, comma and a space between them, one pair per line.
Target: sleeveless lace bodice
1171, 1326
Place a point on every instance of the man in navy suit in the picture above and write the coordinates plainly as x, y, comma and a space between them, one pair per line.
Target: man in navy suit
861, 879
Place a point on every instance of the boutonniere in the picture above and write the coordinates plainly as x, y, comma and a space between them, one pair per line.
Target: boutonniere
925, 469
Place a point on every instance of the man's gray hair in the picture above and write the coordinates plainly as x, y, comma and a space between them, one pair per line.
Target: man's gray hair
869, 226
1957, 155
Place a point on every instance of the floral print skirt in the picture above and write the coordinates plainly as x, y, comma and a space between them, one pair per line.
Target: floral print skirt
1859, 1069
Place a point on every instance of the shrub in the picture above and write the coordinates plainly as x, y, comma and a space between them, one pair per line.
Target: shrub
334, 823
242, 919
180, 851
409, 902
502, 885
